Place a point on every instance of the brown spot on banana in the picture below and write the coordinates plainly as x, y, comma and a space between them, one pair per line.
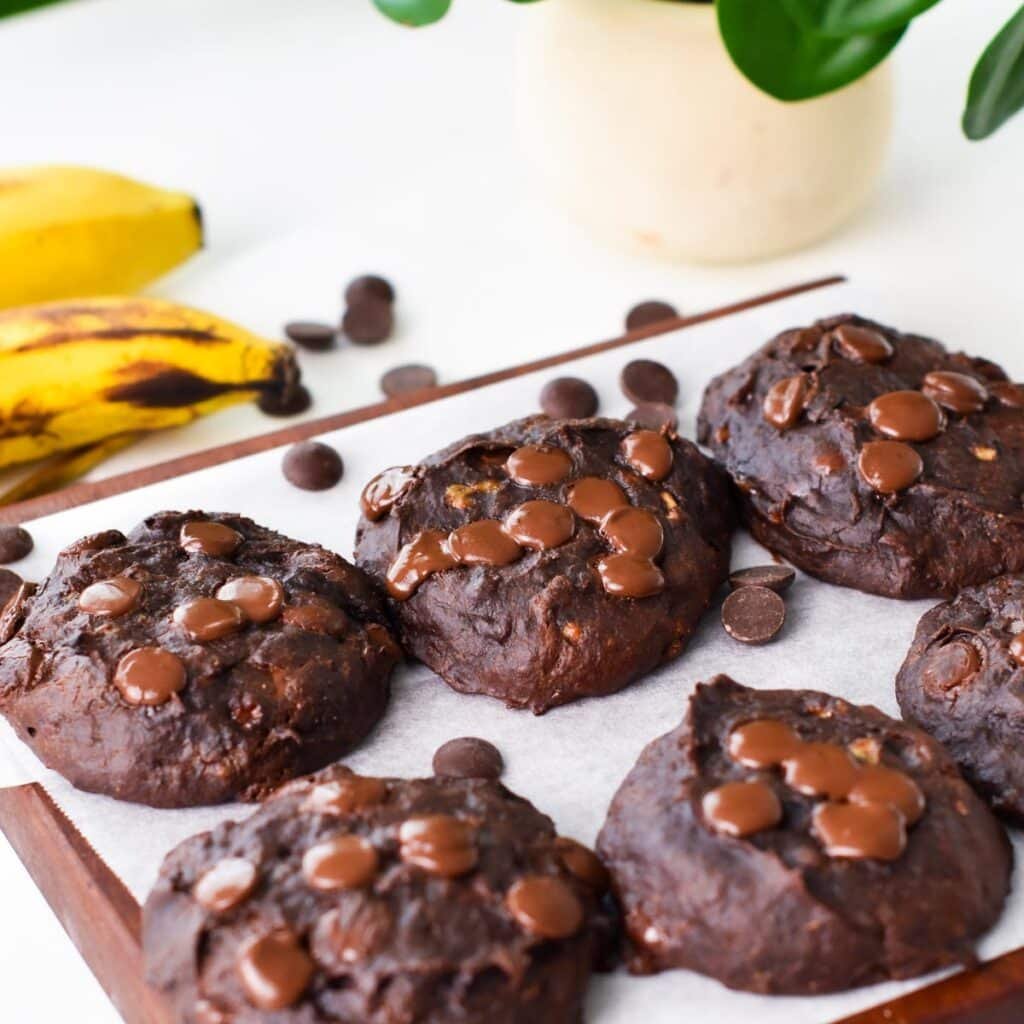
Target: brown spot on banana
158, 386
123, 334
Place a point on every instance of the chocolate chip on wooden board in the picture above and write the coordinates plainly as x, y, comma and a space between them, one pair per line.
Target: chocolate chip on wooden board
775, 577
401, 380
312, 466
316, 337
468, 758
753, 614
15, 543
644, 380
568, 398
653, 416
653, 311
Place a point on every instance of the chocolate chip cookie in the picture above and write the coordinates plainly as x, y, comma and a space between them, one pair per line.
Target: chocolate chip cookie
383, 901
963, 682
785, 841
549, 560
875, 459
199, 659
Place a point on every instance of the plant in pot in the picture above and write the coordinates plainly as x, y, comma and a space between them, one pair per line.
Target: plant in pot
721, 132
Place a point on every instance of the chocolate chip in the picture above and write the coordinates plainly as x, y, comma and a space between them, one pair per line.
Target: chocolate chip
742, 808
226, 884
775, 577
10, 584
753, 615
653, 311
403, 379
116, 596
149, 676
785, 401
889, 466
314, 336
290, 402
468, 758
15, 543
906, 416
368, 321
648, 453
275, 970
545, 906
644, 380
568, 398
201, 536
312, 466
653, 416
370, 286
344, 862
440, 844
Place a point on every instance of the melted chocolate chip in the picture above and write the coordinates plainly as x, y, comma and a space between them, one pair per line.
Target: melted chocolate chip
648, 453
259, 597
15, 543
763, 743
116, 596
274, 970
1010, 395
644, 380
439, 843
468, 758
535, 465
540, 525
226, 884
583, 863
207, 538
860, 831
345, 795
742, 808
483, 542
312, 466
350, 933
424, 555
821, 769
385, 490
828, 461
753, 614
951, 665
906, 416
775, 577
877, 784
889, 466
593, 497
633, 531
568, 398
785, 401
956, 392
861, 344
206, 618
344, 862
545, 906
629, 576
652, 311
149, 676
317, 618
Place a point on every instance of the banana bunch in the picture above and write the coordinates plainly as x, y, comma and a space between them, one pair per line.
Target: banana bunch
72, 231
79, 373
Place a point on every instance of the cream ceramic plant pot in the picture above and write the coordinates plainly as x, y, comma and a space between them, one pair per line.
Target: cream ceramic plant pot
637, 120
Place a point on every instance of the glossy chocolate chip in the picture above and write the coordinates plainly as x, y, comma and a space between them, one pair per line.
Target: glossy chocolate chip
369, 286
403, 380
344, 862
957, 392
439, 844
385, 490
568, 398
227, 884
368, 321
742, 808
878, 784
116, 596
483, 542
821, 769
861, 344
468, 758
545, 906
762, 743
593, 497
644, 380
906, 416
207, 618
653, 416
290, 401
629, 576
889, 466
785, 401
149, 676
274, 970
951, 665
775, 577
15, 543
633, 531
649, 453
345, 795
426, 554
828, 460
540, 525
349, 934
535, 465
583, 863
753, 614
312, 466
259, 597
317, 618
208, 538
1010, 395
316, 337
652, 311
860, 831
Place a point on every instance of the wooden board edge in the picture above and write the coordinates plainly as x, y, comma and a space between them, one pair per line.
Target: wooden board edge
83, 493
99, 914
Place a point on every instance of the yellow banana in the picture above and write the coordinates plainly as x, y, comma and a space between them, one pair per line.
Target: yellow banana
76, 372
72, 231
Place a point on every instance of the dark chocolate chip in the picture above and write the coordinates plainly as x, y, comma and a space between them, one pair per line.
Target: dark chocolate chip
10, 584
290, 402
403, 379
369, 286
644, 380
314, 336
753, 615
568, 398
468, 758
312, 465
654, 311
368, 321
653, 416
15, 543
775, 577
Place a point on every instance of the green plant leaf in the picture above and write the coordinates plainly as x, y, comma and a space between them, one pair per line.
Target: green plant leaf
842, 18
414, 12
775, 52
996, 91
17, 6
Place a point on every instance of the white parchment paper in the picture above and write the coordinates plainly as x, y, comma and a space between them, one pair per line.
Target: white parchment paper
570, 761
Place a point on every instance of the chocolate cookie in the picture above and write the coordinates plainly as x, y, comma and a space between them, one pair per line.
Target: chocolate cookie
875, 459
786, 841
962, 682
198, 659
383, 901
549, 560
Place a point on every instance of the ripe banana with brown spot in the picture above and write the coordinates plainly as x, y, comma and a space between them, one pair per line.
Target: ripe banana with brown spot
73, 373
73, 231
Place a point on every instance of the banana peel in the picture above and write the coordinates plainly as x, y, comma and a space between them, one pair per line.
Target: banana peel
73, 231
74, 373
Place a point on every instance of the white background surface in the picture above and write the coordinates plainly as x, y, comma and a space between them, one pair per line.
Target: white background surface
324, 142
